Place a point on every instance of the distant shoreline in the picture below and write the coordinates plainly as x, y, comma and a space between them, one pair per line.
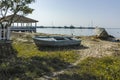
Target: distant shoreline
65, 27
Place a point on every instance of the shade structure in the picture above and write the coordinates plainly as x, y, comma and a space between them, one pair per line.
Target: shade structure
18, 19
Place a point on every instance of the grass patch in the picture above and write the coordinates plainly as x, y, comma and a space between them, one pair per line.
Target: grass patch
106, 68
28, 62
28, 50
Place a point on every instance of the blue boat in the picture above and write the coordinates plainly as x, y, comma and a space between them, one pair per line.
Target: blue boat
56, 41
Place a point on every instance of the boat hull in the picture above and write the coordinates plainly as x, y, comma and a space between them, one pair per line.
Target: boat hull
56, 43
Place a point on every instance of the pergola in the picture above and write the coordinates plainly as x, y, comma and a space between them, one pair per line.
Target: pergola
17, 19
21, 21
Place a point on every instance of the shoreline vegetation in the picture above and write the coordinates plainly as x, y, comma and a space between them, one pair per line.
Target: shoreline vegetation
95, 59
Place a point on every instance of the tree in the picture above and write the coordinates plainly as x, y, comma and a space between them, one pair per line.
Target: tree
13, 7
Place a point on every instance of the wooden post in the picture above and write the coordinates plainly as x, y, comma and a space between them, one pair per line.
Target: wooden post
17, 24
27, 24
13, 25
21, 24
8, 33
0, 33
35, 24
4, 33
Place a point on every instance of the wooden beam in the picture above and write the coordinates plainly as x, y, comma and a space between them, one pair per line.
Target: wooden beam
17, 24
0, 33
8, 33
35, 24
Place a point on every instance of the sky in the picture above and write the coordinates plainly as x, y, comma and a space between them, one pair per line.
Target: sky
101, 13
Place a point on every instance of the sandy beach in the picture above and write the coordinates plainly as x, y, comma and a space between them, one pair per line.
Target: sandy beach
23, 57
99, 48
90, 46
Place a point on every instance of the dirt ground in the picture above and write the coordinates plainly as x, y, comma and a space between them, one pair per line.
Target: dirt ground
91, 47
98, 48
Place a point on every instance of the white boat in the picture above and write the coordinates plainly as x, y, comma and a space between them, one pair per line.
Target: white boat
56, 41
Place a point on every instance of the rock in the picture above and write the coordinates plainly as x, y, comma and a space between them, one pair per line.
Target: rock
117, 39
101, 33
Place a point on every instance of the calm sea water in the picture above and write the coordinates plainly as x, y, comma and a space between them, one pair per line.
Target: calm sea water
77, 32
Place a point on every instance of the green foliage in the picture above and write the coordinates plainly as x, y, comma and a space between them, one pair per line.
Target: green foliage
15, 6
28, 62
106, 68
28, 50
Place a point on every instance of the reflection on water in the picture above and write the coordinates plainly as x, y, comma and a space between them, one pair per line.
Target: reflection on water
77, 32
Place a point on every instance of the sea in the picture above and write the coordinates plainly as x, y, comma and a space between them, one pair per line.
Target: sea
78, 32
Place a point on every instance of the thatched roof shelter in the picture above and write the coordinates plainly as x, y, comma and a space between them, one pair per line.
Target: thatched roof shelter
18, 19
25, 25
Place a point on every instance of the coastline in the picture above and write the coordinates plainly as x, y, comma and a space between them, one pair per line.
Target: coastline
23, 60
94, 47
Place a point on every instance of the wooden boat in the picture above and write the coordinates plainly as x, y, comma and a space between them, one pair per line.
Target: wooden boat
55, 41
